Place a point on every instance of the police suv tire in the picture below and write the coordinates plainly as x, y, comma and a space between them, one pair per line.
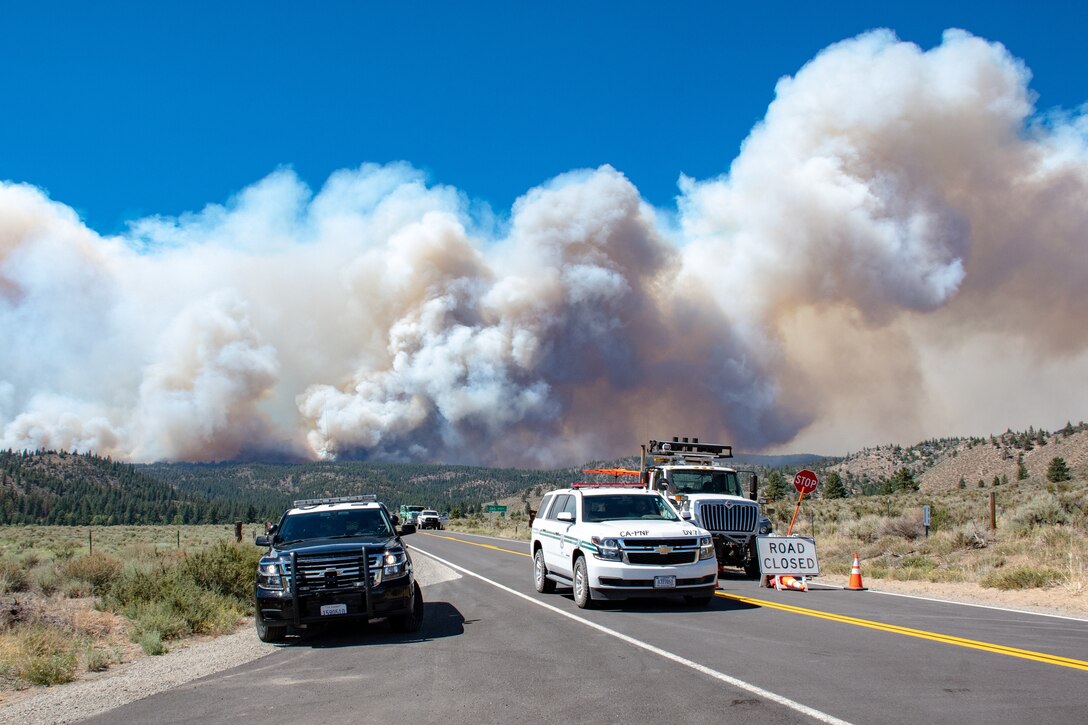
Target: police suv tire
265, 633
582, 595
543, 584
413, 620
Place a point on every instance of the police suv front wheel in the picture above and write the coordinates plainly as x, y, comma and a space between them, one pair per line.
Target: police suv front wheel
413, 620
543, 584
582, 596
266, 633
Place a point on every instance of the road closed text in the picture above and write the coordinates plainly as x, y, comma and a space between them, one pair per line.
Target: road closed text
787, 555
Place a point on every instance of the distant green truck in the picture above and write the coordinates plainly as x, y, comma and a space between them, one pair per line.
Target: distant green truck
409, 513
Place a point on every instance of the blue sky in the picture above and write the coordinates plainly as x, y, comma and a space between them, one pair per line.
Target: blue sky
248, 229
123, 110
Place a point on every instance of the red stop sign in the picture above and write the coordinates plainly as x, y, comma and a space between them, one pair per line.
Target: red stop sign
805, 481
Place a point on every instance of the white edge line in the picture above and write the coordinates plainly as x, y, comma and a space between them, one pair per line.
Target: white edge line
741, 684
953, 601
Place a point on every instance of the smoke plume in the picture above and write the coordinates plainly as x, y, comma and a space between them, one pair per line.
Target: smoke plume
898, 251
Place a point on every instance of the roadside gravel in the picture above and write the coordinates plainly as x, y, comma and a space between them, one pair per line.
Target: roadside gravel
186, 661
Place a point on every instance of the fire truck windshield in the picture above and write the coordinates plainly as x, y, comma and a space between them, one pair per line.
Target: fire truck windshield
695, 481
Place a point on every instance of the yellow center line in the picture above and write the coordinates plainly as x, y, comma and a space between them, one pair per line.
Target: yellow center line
843, 619
473, 543
919, 633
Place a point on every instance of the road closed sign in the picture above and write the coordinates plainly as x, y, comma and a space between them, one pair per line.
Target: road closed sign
805, 482
794, 555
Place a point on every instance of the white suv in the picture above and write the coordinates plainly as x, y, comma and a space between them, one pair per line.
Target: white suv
612, 542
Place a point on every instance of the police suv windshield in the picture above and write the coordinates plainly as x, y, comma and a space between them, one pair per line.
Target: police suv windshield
622, 507
342, 523
693, 481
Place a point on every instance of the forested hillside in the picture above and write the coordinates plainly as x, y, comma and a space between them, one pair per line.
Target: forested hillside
50, 487
446, 488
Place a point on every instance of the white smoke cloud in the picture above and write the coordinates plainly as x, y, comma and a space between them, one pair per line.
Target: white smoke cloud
899, 217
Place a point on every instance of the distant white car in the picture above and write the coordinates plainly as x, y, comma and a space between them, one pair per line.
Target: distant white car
429, 519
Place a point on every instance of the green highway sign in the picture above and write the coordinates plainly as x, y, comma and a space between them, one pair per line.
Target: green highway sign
492, 508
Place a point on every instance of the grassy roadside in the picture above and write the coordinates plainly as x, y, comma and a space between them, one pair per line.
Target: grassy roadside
74, 599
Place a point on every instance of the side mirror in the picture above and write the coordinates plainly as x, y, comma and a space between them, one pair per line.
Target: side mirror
407, 529
685, 515
753, 488
263, 540
565, 516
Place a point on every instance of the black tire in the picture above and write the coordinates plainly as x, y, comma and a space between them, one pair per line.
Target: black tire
751, 566
699, 601
412, 620
583, 597
267, 633
543, 584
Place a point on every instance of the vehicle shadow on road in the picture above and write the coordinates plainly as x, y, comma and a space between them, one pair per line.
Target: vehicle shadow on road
440, 620
664, 604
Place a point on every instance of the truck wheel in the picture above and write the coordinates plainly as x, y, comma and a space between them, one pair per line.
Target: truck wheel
582, 596
543, 584
751, 566
266, 633
413, 620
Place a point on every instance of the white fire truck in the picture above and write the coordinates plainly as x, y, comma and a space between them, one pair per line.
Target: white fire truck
709, 493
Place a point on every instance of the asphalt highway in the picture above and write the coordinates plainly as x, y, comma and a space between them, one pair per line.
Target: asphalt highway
492, 650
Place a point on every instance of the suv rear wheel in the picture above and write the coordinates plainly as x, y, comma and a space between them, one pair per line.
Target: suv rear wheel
582, 596
543, 584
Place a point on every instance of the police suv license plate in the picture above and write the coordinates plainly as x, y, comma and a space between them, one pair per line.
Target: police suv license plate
333, 609
664, 582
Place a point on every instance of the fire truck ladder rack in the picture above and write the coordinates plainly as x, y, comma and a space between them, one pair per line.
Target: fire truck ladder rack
685, 451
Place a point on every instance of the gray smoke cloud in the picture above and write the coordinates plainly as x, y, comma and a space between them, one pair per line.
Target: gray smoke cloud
898, 251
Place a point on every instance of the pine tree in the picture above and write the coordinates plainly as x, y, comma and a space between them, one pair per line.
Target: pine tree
775, 487
1057, 471
1021, 469
833, 487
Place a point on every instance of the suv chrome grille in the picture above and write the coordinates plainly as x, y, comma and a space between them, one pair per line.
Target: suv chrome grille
338, 571
661, 552
734, 517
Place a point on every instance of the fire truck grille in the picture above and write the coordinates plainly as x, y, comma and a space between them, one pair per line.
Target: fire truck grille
736, 518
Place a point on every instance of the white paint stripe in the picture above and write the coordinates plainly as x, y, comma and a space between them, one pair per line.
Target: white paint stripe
1010, 610
754, 689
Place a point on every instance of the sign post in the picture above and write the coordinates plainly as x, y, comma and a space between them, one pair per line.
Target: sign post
805, 482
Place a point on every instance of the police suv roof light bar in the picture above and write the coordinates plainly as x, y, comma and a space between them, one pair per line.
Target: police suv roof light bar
611, 484
306, 502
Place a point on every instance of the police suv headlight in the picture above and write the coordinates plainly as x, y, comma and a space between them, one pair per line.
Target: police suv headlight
269, 575
608, 549
706, 548
394, 563
765, 526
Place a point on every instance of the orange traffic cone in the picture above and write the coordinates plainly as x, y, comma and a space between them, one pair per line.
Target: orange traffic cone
855, 577
792, 582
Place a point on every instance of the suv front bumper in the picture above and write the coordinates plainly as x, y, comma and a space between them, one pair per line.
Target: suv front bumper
276, 607
619, 580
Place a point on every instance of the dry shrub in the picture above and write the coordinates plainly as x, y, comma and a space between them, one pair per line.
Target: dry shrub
98, 569
907, 527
